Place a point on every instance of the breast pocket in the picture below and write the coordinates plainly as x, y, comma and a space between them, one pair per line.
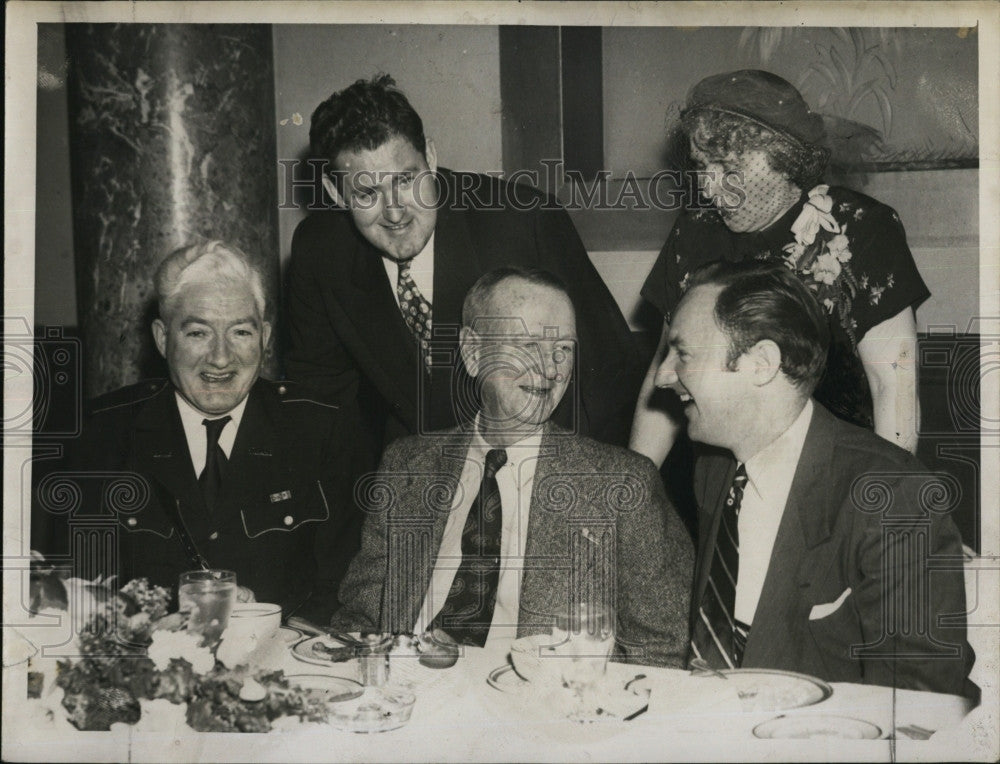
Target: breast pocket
834, 635
149, 520
285, 510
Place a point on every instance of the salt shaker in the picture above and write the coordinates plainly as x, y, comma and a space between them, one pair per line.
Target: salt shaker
373, 660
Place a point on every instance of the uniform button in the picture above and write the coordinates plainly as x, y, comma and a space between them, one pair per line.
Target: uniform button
132, 522
289, 520
213, 536
282, 390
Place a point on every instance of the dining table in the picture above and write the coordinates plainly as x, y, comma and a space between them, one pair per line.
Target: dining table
459, 715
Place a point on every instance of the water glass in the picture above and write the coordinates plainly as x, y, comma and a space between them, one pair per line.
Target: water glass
208, 597
588, 638
373, 659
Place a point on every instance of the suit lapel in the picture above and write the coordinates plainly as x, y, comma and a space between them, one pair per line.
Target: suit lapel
805, 523
438, 461
255, 451
457, 263
370, 306
548, 529
457, 266
160, 450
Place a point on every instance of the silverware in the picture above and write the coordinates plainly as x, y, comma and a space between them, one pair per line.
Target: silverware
700, 666
636, 678
634, 714
915, 732
645, 708
310, 627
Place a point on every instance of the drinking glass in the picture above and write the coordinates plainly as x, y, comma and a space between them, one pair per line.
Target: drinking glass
587, 634
207, 596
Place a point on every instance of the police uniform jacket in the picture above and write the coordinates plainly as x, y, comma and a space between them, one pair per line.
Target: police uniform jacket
285, 522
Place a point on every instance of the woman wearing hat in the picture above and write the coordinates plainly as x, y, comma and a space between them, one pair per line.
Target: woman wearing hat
761, 153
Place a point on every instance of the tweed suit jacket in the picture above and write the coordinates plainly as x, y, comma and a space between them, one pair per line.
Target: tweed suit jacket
865, 581
579, 483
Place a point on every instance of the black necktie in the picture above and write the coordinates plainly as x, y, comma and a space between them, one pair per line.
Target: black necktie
718, 637
468, 611
210, 479
415, 309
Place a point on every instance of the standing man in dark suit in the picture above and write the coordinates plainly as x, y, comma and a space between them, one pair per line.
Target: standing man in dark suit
816, 538
376, 286
246, 474
495, 529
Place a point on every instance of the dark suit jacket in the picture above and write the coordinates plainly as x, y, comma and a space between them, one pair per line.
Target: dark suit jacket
286, 523
579, 483
865, 515
348, 339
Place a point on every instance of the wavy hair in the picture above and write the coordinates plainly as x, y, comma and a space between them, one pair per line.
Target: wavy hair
766, 301
363, 117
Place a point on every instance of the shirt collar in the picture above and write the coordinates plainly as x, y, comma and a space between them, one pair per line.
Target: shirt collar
419, 262
192, 418
781, 455
517, 452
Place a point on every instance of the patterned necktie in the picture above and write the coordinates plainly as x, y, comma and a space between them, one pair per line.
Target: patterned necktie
415, 309
718, 638
210, 479
468, 612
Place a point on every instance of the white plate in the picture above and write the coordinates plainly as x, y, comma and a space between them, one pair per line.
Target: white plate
505, 679
290, 635
775, 690
623, 701
805, 727
303, 650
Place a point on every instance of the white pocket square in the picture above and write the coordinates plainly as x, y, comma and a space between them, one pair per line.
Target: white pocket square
828, 608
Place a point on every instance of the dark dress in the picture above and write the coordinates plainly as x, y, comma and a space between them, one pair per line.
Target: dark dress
861, 280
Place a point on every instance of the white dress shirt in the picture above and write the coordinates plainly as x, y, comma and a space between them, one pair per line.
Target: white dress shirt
769, 479
515, 481
421, 270
197, 434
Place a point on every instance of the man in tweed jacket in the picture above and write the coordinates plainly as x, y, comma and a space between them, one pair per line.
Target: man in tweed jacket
581, 520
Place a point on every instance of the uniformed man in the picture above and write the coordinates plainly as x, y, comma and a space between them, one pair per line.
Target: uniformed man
227, 469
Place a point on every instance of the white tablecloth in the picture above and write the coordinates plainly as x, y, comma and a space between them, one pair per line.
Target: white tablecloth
459, 717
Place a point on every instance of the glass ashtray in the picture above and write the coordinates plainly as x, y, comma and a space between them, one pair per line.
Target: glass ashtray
379, 709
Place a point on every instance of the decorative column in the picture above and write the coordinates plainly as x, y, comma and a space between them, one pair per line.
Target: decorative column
172, 141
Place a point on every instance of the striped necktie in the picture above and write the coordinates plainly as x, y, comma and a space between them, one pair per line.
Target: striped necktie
415, 309
718, 638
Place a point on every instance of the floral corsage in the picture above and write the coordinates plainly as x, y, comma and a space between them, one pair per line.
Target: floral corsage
821, 255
